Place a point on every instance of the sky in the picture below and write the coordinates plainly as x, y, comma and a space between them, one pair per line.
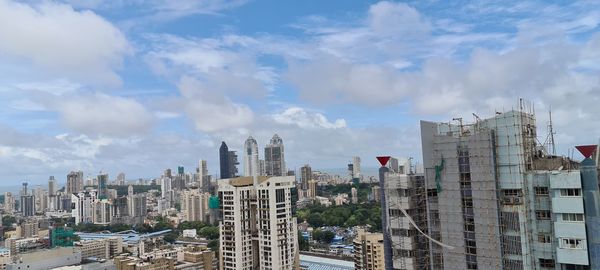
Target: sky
139, 86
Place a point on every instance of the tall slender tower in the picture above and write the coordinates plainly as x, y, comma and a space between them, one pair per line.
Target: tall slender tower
250, 156
51, 186
103, 186
274, 157
305, 176
224, 160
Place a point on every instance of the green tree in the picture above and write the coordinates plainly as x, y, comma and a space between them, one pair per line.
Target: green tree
303, 243
7, 221
209, 232
315, 220
323, 236
213, 244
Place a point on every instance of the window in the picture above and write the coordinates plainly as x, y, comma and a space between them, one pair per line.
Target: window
512, 192
572, 243
546, 263
541, 191
544, 238
570, 192
569, 217
542, 214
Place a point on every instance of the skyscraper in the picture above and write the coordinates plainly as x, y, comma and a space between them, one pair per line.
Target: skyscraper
121, 179
51, 186
9, 203
275, 158
305, 176
356, 167
27, 202
227, 161
203, 176
258, 230
251, 163
74, 182
103, 186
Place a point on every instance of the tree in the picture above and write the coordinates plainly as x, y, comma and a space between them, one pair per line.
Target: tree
315, 220
209, 232
213, 245
7, 221
323, 236
303, 243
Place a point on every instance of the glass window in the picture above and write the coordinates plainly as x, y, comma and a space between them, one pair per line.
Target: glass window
570, 192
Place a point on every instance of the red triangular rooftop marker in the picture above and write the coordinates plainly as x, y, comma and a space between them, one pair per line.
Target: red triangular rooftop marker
383, 160
586, 150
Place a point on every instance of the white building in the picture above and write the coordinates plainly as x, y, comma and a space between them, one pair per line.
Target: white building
83, 206
251, 162
189, 233
258, 230
356, 167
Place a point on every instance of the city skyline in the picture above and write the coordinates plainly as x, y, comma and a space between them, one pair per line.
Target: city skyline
138, 86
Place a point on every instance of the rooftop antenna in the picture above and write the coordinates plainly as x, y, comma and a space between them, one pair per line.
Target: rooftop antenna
551, 130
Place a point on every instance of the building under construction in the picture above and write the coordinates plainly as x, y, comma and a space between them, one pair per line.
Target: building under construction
491, 197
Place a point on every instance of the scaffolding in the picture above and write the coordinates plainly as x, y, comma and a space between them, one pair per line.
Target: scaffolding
485, 191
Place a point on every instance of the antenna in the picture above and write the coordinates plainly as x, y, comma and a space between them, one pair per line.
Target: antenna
551, 130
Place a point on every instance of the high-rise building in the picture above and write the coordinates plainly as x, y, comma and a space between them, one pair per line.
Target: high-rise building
275, 158
305, 176
354, 194
261, 167
356, 167
137, 208
203, 176
9, 203
121, 179
227, 161
496, 197
83, 207
368, 251
312, 189
27, 204
258, 230
103, 186
251, 157
51, 186
194, 204
74, 182
24, 190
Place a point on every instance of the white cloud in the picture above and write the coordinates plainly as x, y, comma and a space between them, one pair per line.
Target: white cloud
306, 119
210, 110
100, 114
389, 18
61, 41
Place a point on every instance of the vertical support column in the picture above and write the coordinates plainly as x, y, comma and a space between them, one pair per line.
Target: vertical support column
387, 239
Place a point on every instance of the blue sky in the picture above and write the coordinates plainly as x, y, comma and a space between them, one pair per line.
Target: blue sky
139, 86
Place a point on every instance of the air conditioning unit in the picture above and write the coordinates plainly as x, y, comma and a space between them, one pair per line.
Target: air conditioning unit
517, 200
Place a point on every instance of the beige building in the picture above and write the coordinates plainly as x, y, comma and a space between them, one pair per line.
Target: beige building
194, 204
133, 263
368, 251
202, 258
312, 189
101, 248
257, 230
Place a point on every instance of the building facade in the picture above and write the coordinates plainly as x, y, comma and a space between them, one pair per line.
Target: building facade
257, 229
251, 163
496, 197
368, 251
275, 157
